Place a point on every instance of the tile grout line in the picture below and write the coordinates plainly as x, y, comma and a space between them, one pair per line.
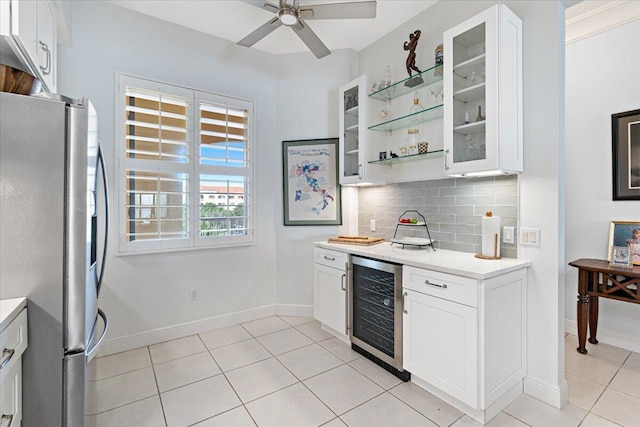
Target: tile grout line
155, 377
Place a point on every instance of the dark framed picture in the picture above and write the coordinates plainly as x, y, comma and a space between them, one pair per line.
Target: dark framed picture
625, 129
626, 234
310, 181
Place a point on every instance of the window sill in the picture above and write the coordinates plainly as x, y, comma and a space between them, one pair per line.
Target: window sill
189, 249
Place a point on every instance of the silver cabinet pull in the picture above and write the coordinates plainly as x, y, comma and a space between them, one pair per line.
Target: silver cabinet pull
6, 418
404, 307
7, 354
360, 171
330, 258
342, 283
446, 163
46, 70
443, 286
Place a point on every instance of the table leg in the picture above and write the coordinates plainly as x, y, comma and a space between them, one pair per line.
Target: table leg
582, 310
593, 319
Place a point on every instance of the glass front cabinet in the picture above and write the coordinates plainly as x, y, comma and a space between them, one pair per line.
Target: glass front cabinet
356, 149
483, 95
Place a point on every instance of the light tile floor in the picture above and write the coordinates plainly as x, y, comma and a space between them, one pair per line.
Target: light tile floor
286, 371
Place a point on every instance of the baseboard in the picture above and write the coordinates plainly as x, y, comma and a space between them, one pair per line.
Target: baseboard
556, 396
159, 335
294, 310
607, 336
479, 415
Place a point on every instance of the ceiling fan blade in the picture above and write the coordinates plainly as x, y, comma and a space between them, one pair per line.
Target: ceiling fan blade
310, 38
261, 32
354, 10
263, 5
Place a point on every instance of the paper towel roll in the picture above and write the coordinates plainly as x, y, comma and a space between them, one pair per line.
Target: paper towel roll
490, 227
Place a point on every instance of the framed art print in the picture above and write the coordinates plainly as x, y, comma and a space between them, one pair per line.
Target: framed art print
310, 180
625, 129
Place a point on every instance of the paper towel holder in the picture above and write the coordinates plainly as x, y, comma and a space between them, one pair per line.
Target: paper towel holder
495, 250
496, 243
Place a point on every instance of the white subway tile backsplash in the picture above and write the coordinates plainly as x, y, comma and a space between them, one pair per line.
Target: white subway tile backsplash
453, 208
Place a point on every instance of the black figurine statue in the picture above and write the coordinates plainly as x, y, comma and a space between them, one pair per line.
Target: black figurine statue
411, 58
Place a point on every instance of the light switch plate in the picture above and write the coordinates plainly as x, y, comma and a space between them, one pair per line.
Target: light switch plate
530, 236
508, 235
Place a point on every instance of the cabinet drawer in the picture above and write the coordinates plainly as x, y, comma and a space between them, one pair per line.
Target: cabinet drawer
447, 286
11, 396
331, 258
13, 342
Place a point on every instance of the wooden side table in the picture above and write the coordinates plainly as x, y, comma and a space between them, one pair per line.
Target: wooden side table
596, 279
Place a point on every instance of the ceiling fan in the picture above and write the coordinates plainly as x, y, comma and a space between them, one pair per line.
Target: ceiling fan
289, 13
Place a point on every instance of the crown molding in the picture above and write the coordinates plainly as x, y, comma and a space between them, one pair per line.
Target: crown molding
602, 17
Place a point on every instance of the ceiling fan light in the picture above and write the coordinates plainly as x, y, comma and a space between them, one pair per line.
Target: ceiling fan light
288, 16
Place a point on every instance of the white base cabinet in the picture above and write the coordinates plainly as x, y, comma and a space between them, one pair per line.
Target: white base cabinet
330, 289
13, 342
464, 339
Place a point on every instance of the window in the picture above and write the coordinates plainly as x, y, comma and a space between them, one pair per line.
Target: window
184, 155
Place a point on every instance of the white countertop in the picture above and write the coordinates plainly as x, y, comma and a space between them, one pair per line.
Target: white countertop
452, 262
9, 309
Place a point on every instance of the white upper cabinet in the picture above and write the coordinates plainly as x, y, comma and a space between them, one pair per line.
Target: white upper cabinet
483, 95
356, 150
28, 29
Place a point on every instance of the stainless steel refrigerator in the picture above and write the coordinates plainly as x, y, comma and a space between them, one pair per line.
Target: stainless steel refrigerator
53, 228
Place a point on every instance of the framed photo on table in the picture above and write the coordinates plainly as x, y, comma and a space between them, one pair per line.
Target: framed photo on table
310, 180
626, 234
625, 130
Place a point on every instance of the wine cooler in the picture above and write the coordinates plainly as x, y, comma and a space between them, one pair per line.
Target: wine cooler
375, 317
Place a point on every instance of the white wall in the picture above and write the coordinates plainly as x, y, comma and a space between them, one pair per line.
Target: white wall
541, 200
149, 292
602, 79
307, 109
296, 98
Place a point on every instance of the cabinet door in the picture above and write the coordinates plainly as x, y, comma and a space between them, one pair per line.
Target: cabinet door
440, 344
11, 396
483, 94
47, 46
330, 297
356, 148
24, 26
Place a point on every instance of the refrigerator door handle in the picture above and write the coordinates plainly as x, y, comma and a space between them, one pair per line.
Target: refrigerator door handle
91, 352
106, 219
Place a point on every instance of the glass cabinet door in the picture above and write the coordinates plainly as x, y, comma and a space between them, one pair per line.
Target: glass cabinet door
469, 95
351, 151
483, 94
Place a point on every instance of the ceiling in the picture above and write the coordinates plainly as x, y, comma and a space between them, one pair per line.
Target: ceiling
234, 19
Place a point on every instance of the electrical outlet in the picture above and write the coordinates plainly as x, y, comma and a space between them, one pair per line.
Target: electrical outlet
508, 235
193, 294
372, 225
530, 236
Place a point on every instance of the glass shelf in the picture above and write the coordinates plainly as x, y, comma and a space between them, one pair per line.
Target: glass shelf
427, 155
425, 115
352, 111
352, 129
352, 152
471, 93
398, 89
475, 61
473, 128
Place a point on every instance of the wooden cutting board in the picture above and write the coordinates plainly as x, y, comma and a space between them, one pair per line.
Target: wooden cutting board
356, 240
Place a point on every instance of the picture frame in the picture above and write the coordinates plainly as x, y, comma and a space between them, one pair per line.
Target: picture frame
625, 132
311, 188
626, 234
620, 257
